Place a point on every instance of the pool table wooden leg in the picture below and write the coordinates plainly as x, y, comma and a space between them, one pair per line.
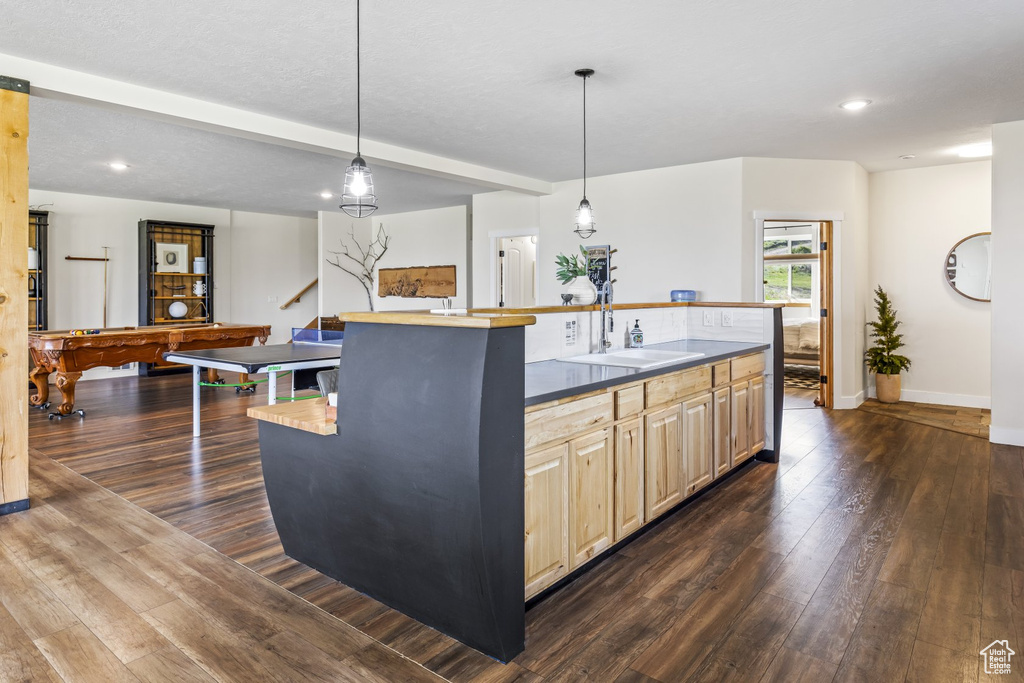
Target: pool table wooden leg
66, 384
40, 377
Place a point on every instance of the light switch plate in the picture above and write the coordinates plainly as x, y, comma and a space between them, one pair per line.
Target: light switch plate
726, 318
709, 318
271, 299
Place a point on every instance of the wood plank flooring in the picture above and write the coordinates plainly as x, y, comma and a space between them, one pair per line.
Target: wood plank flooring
875, 550
971, 421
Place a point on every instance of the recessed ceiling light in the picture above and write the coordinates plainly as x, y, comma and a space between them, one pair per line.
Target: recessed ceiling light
118, 165
907, 157
854, 105
326, 195
982, 149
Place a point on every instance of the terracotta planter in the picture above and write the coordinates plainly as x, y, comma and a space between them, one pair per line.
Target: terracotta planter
887, 388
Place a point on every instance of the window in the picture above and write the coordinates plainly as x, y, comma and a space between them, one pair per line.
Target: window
786, 280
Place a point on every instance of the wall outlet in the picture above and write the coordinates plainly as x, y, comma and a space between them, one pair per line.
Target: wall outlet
271, 299
726, 318
709, 318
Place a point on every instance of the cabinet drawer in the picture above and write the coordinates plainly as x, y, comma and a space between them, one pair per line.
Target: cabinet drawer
747, 366
561, 422
721, 374
629, 401
678, 385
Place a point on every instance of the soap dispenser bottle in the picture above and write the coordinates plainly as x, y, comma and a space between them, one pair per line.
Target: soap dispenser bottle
636, 336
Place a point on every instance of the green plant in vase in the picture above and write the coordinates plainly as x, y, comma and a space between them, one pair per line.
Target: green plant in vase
882, 358
572, 271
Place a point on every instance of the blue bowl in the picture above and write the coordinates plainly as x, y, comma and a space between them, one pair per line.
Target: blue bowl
683, 295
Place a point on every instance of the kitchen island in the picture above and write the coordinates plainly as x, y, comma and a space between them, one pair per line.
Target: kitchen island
462, 481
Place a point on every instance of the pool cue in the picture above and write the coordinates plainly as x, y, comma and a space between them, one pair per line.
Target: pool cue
105, 259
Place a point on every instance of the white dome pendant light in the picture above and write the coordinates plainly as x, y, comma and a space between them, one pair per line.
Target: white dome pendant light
357, 197
585, 214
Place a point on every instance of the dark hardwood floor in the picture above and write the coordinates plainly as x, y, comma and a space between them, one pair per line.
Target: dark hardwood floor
876, 550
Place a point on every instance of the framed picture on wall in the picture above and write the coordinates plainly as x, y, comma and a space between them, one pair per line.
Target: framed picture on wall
171, 258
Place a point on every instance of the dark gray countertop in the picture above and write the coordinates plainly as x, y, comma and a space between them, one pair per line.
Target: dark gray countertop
550, 380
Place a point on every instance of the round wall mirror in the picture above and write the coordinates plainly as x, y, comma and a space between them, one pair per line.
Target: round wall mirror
969, 267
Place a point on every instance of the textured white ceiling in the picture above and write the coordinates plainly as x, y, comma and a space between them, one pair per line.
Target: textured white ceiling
491, 83
70, 145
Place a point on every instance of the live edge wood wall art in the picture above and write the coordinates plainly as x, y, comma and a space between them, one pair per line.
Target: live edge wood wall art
417, 282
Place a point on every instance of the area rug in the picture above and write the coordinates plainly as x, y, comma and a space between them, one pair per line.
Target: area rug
802, 377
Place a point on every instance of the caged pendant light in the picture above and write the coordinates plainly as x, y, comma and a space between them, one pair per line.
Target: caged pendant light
357, 197
584, 214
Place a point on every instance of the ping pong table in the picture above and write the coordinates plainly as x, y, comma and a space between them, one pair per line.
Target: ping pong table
253, 360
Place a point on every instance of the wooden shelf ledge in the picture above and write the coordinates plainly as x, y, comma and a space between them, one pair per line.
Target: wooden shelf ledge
309, 415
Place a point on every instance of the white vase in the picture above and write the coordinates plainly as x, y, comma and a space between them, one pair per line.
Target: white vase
583, 291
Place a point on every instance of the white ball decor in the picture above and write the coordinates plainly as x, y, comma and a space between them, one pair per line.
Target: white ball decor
177, 310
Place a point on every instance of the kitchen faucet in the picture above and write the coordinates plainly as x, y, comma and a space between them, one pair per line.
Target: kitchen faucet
606, 310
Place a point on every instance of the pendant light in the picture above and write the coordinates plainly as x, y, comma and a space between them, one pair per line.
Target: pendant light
357, 198
585, 214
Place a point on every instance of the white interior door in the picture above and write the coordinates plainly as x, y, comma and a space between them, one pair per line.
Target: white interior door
517, 263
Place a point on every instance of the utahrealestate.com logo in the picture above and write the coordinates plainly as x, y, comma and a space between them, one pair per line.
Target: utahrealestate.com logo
997, 657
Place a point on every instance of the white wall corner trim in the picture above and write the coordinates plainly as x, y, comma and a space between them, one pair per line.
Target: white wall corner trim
849, 402
1006, 435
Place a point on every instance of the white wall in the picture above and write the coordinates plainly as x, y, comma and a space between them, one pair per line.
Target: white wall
810, 187
917, 215
272, 259
692, 227
1007, 283
81, 225
435, 237
674, 228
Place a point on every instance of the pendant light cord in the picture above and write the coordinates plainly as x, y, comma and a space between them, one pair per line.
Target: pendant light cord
359, 107
584, 137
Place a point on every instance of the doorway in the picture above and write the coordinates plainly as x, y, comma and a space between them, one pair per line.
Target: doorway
797, 272
517, 271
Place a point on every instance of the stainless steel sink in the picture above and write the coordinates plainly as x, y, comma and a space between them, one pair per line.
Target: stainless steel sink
639, 359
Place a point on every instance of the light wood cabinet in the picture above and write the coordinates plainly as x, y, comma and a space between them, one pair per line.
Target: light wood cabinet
591, 496
722, 426
547, 517
663, 450
698, 453
757, 426
740, 422
600, 466
629, 478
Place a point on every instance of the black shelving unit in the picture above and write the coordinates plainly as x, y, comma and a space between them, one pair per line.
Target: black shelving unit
167, 253
38, 222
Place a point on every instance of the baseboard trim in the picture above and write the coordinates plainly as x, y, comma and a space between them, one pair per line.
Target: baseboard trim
13, 506
1010, 436
849, 402
941, 399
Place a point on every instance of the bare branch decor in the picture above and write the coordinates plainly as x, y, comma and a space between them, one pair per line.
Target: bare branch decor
363, 267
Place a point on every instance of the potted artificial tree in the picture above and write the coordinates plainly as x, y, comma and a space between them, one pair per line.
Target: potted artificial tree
572, 271
882, 358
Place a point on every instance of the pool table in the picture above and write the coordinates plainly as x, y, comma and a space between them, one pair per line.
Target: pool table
69, 353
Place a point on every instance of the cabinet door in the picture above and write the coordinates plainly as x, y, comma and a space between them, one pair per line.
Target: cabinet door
663, 450
547, 517
698, 451
756, 415
740, 422
629, 478
722, 426
591, 496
